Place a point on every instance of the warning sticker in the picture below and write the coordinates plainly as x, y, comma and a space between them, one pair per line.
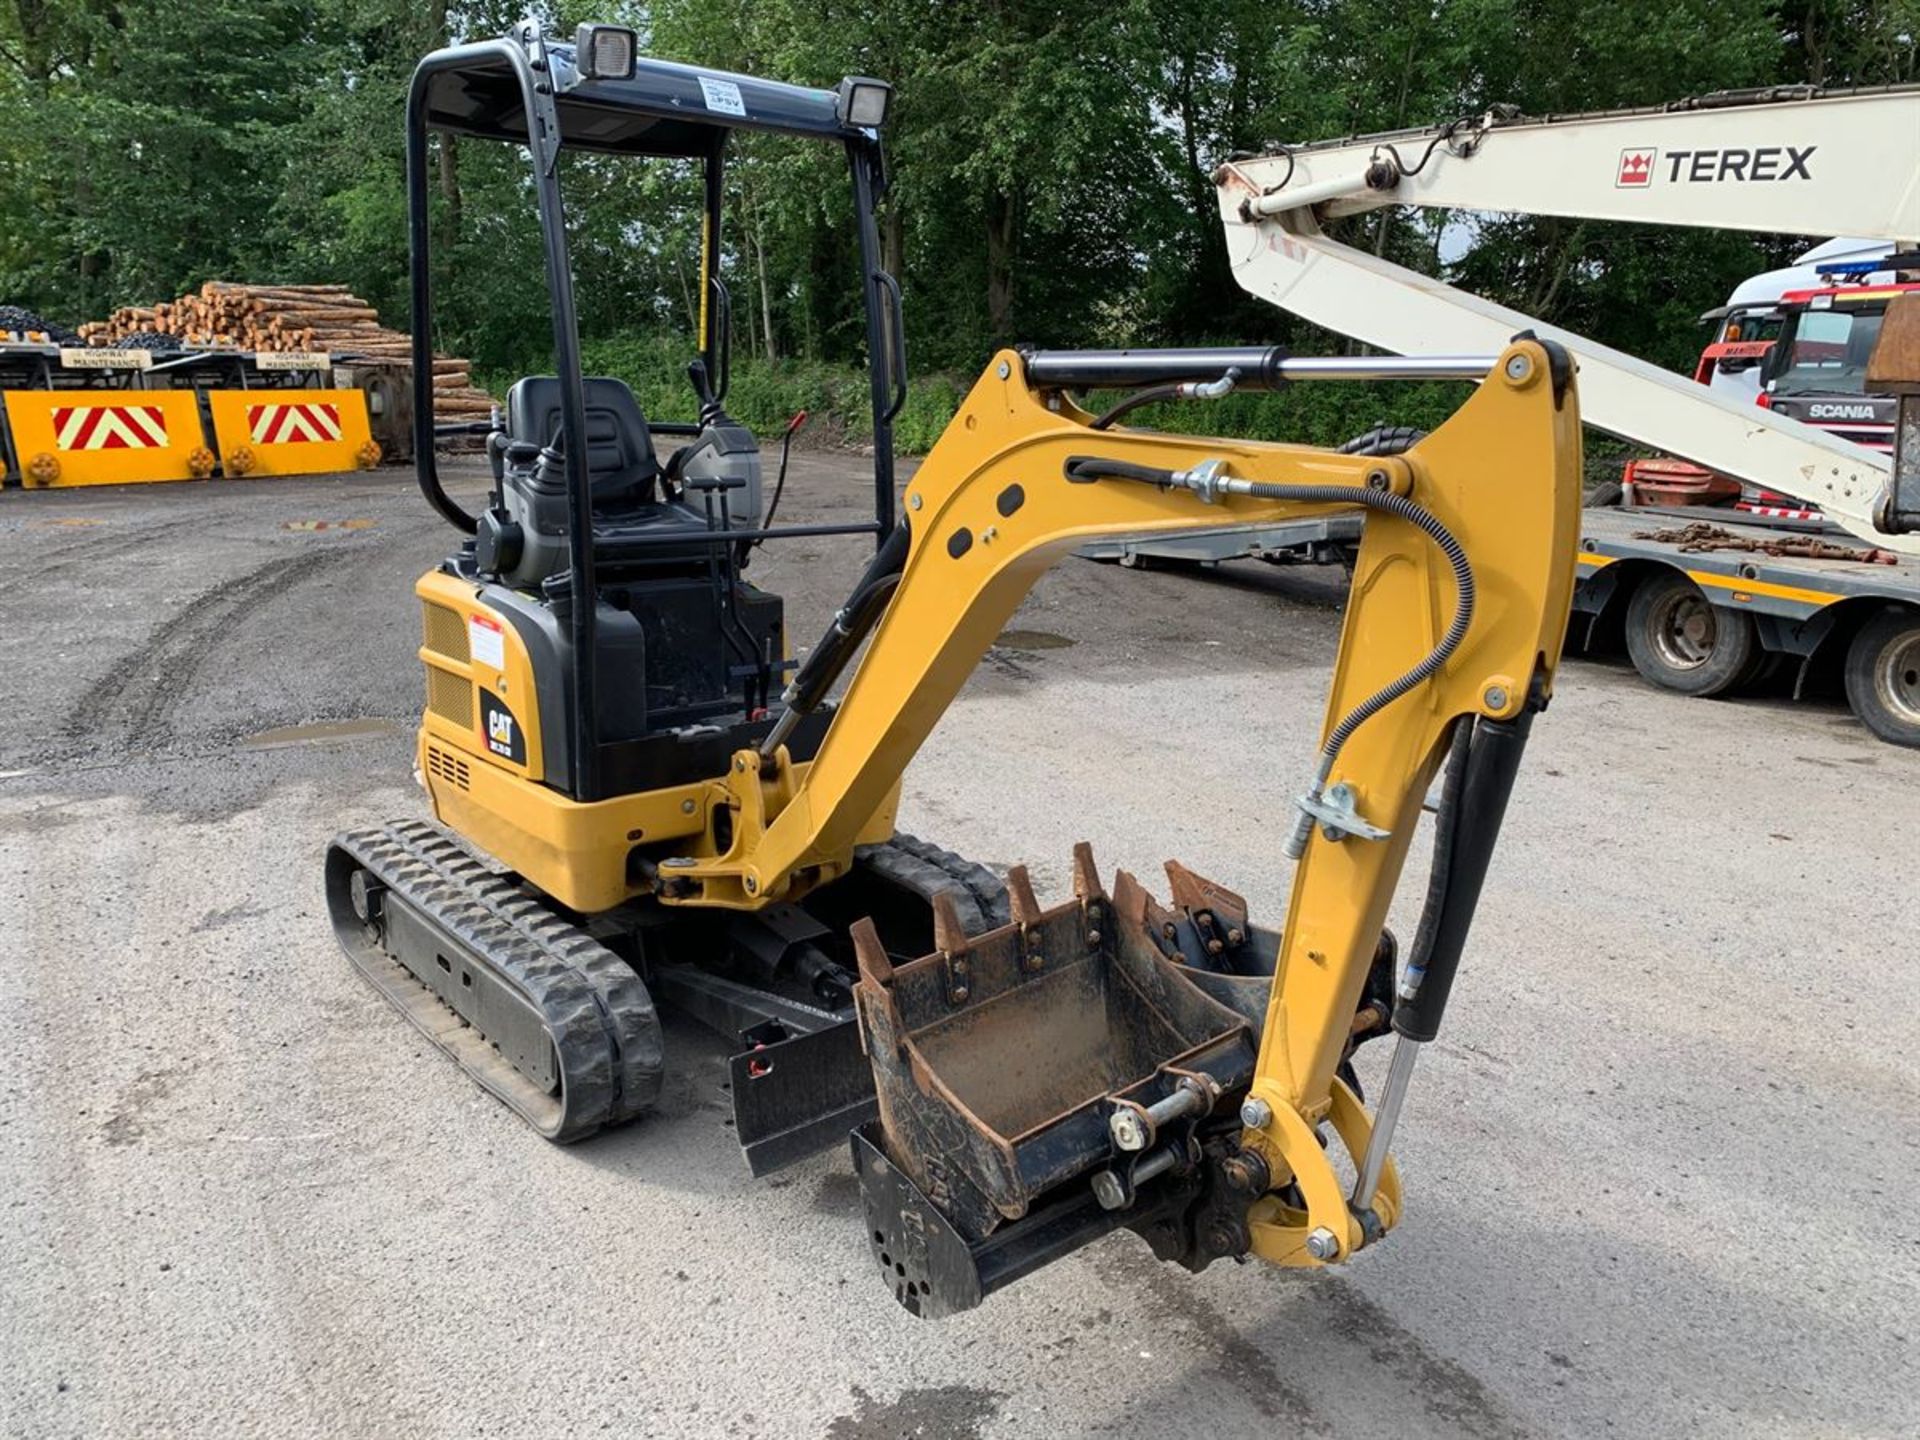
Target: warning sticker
487, 642
723, 96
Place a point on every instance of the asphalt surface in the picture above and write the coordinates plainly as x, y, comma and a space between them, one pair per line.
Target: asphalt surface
1658, 1168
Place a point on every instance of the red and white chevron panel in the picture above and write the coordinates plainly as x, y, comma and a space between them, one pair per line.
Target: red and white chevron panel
310, 422
110, 427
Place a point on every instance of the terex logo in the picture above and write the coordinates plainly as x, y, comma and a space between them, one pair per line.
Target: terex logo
1769, 162
1636, 169
1700, 167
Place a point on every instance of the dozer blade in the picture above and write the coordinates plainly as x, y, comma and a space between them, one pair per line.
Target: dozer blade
1050, 1081
542, 1015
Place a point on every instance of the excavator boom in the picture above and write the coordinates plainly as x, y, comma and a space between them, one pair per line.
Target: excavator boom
1792, 161
1108, 1062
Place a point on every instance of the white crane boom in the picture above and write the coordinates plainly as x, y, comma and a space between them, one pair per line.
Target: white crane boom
1792, 162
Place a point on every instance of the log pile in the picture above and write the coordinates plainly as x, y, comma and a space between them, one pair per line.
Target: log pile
288, 318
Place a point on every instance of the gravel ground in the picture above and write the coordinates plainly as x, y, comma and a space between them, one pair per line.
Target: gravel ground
1654, 1167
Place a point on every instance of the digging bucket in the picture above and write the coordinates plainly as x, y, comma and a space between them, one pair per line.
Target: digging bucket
1002, 1061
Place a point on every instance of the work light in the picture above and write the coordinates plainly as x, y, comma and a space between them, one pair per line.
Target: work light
863, 101
604, 52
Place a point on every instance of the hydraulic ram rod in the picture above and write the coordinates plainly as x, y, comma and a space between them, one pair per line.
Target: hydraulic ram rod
1261, 367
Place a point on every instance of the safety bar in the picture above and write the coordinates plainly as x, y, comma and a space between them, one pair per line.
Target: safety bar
1260, 367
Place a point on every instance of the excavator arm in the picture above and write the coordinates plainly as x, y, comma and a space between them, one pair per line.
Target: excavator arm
1790, 162
1109, 1062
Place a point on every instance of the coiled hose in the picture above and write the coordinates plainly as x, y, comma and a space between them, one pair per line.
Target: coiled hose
1401, 508
1385, 440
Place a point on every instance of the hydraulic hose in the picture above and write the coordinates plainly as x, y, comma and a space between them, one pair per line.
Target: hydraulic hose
1435, 660
1401, 508
845, 631
1440, 874
1088, 468
1184, 390
1134, 402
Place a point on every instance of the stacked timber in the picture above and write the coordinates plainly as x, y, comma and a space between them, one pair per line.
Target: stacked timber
277, 318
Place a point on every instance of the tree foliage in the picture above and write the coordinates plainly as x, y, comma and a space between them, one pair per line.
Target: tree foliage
1049, 160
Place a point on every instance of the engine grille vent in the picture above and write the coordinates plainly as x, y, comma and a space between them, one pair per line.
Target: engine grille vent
450, 768
446, 633
450, 697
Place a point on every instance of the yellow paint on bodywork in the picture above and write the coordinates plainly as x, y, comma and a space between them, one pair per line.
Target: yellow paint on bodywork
577, 853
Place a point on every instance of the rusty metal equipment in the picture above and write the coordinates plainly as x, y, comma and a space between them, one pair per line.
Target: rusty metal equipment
1701, 538
1894, 369
1071, 1073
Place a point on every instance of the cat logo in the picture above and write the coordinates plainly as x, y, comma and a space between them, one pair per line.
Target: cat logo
504, 737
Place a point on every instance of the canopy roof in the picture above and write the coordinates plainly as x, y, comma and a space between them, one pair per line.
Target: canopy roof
665, 109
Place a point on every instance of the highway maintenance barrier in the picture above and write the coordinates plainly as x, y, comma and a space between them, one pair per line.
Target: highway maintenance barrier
291, 432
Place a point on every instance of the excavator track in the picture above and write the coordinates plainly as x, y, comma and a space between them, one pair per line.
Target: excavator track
925, 869
540, 1014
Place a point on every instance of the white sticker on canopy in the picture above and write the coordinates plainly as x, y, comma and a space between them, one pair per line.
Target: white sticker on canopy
487, 642
723, 96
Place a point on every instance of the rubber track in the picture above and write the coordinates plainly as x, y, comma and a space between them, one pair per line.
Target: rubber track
597, 1011
925, 869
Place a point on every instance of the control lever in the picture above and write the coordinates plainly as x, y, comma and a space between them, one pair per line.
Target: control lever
703, 389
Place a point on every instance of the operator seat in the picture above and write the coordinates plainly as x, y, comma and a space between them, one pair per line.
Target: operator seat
620, 458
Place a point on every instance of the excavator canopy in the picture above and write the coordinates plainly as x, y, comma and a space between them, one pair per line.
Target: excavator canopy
662, 109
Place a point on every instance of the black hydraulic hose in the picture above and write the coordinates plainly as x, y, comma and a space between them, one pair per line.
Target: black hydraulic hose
1465, 591
849, 626
780, 484
1134, 402
1085, 468
1479, 805
1439, 875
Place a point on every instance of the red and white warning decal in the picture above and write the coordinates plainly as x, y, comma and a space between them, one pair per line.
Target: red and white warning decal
110, 427
300, 424
487, 642
1636, 169
1777, 512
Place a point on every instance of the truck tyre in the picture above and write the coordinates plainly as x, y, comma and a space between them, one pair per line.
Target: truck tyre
1680, 640
1883, 676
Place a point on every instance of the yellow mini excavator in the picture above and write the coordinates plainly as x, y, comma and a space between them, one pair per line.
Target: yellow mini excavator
640, 796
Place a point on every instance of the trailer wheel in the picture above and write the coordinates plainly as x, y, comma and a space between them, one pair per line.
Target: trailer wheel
1883, 676
1680, 640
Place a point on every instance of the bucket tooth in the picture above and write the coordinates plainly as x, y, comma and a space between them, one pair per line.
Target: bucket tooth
1196, 892
1142, 916
1024, 903
1086, 875
949, 934
869, 953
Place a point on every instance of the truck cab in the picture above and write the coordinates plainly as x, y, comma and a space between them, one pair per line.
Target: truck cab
1816, 372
